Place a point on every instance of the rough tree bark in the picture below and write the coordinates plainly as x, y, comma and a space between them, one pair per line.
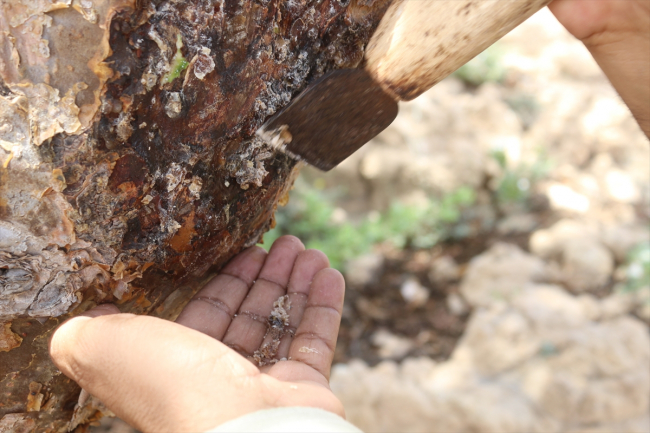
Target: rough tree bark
129, 169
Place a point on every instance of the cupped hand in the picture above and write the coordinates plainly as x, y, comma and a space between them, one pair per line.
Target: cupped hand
260, 335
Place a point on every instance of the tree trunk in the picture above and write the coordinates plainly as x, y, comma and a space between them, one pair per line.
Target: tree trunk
129, 168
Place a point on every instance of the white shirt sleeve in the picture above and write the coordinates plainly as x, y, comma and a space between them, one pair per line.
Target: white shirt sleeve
288, 420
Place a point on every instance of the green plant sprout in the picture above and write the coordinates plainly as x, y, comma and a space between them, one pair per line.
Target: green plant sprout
486, 67
516, 183
638, 268
178, 64
309, 216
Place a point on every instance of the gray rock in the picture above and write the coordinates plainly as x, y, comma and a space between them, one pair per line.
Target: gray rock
586, 265
364, 270
584, 262
543, 364
456, 304
444, 270
549, 243
391, 346
414, 293
517, 223
499, 274
621, 239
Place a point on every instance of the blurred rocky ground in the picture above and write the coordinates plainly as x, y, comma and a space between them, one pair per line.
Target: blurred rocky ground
559, 299
526, 310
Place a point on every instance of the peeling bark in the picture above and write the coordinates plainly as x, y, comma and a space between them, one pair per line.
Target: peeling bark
129, 169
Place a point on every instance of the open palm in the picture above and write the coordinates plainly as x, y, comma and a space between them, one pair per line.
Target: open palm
237, 308
164, 376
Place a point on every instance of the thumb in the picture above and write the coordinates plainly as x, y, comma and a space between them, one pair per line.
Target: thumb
61, 347
154, 374
99, 310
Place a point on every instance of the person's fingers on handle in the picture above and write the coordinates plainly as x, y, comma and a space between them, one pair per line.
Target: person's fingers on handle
211, 310
603, 21
581, 18
315, 338
136, 364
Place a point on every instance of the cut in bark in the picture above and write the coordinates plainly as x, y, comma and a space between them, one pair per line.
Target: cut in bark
129, 167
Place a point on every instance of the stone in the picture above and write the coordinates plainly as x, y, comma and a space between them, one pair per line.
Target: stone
563, 197
549, 243
500, 273
517, 223
548, 308
498, 340
617, 304
586, 265
635, 425
414, 293
457, 305
625, 301
444, 270
364, 270
513, 414
416, 368
621, 187
545, 363
391, 398
602, 376
391, 346
621, 239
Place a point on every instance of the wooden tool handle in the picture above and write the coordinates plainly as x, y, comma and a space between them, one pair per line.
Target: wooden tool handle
420, 42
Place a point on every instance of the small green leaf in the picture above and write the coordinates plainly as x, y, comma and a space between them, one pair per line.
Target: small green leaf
178, 64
